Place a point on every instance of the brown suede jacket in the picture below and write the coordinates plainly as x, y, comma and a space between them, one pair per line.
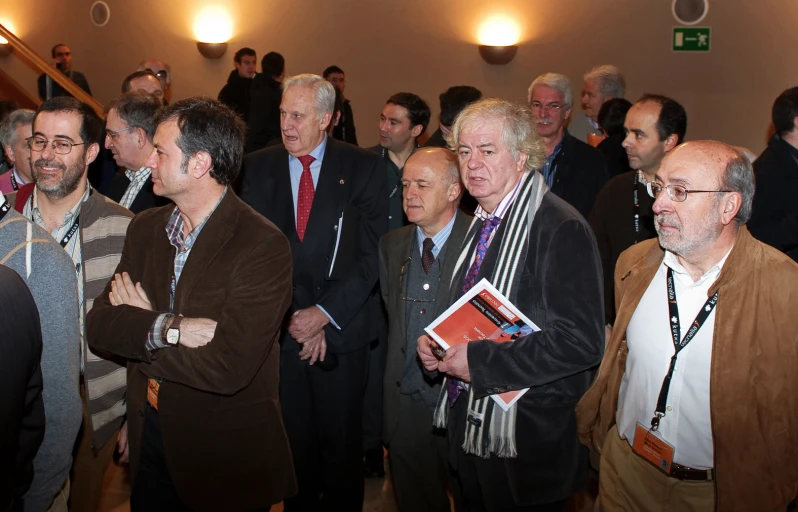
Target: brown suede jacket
753, 379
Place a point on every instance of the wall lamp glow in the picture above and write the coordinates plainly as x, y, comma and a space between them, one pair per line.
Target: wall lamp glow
5, 46
498, 37
213, 28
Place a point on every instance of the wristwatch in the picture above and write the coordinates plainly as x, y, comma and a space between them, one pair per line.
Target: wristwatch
173, 334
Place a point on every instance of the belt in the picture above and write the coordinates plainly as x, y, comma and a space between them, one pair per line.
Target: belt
696, 475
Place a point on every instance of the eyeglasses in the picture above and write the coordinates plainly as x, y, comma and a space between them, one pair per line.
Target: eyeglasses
676, 192
551, 107
160, 73
113, 134
60, 146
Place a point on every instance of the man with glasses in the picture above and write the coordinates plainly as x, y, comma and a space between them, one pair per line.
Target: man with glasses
130, 127
345, 129
144, 81
62, 60
416, 264
694, 407
163, 72
91, 229
622, 215
573, 170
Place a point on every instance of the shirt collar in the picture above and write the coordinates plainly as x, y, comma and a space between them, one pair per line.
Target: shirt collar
670, 260
69, 216
317, 153
438, 238
174, 228
17, 177
140, 175
503, 205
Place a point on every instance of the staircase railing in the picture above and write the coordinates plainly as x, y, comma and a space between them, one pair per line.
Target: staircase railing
40, 65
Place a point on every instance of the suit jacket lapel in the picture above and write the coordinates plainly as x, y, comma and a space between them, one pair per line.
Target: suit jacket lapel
403, 254
215, 234
454, 245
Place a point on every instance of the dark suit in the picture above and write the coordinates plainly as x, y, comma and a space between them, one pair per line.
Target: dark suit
144, 200
21, 406
560, 291
581, 172
218, 406
407, 423
322, 409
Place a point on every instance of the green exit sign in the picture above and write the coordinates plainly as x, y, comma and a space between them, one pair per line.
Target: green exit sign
692, 39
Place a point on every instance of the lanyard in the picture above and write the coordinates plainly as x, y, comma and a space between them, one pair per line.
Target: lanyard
13, 180
636, 207
673, 310
72, 230
4, 209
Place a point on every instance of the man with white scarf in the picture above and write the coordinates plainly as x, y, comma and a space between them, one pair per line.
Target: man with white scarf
540, 253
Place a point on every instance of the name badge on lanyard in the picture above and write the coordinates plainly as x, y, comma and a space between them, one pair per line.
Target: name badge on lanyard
648, 442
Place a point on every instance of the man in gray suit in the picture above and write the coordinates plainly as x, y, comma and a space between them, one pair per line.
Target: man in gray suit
416, 264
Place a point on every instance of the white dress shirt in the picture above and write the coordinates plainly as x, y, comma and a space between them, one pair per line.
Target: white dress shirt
686, 425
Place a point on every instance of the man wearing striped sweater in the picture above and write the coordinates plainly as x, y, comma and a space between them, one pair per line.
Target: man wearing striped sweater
91, 228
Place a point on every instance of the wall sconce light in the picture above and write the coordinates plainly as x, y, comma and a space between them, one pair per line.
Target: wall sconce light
498, 37
212, 50
5, 46
213, 28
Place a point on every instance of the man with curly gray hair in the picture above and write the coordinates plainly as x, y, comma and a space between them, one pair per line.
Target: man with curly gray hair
537, 251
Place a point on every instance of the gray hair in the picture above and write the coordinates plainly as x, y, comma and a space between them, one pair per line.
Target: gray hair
8, 129
557, 82
739, 177
323, 91
518, 131
137, 109
609, 79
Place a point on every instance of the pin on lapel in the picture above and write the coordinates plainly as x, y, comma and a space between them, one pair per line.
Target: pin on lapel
341, 182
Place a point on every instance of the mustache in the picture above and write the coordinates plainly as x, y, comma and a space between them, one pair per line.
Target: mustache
49, 163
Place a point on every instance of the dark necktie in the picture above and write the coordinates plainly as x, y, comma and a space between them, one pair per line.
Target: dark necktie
455, 386
304, 197
427, 259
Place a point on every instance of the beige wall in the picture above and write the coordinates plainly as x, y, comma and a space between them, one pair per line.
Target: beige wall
425, 46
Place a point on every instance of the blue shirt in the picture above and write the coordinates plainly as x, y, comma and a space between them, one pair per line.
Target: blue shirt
547, 171
439, 239
295, 170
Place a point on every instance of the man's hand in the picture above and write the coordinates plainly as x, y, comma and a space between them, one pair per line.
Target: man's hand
455, 364
196, 332
428, 359
122, 444
314, 349
306, 323
123, 291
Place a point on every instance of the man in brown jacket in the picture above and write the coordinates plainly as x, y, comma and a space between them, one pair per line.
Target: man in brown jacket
694, 407
195, 307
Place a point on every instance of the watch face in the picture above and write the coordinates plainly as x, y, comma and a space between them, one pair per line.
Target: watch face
172, 336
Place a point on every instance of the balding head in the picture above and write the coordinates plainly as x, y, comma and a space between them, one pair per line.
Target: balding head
431, 188
719, 182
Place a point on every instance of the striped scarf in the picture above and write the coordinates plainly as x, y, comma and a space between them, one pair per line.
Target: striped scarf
490, 429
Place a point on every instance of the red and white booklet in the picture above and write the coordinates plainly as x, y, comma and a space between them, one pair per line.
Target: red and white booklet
482, 314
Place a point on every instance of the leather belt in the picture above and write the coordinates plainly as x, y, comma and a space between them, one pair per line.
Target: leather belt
696, 475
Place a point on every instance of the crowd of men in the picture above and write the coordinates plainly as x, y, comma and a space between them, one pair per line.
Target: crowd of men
239, 310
